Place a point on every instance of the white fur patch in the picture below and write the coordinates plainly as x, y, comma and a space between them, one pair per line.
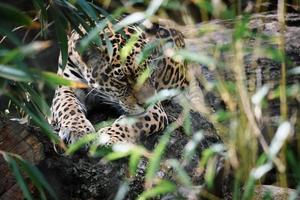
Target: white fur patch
103, 138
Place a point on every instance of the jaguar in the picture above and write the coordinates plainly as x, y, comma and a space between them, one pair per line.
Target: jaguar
112, 77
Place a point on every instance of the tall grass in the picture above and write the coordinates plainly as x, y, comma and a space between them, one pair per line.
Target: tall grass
239, 123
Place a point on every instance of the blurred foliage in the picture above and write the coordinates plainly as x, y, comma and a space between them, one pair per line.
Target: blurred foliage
238, 126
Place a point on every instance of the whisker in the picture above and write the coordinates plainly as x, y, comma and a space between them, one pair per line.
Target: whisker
90, 92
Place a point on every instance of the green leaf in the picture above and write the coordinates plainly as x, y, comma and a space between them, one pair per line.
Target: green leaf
60, 28
127, 49
146, 52
294, 71
206, 6
36, 176
187, 123
85, 140
108, 45
96, 151
14, 74
10, 35
93, 35
295, 195
155, 159
16, 172
27, 75
222, 116
173, 5
88, 10
197, 57
104, 124
153, 7
76, 20
134, 160
294, 163
210, 172
191, 146
43, 16
41, 122
161, 188
142, 78
54, 79
116, 155
39, 102
283, 132
180, 172
162, 95
103, 12
12, 15
241, 28
123, 189
120, 150
21, 52
209, 153
249, 189
130, 19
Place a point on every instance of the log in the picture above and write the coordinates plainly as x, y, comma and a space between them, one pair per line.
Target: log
18, 139
83, 177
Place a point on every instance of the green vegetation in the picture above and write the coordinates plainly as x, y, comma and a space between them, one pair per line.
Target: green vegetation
240, 125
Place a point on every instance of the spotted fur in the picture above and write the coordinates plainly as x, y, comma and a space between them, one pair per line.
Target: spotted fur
114, 80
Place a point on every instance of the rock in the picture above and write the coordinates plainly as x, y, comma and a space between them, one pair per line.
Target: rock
260, 69
273, 192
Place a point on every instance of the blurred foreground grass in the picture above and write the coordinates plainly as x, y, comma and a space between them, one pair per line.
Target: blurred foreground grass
240, 123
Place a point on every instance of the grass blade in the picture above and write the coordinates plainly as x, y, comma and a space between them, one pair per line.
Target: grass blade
153, 7
127, 49
15, 170
38, 101
21, 52
180, 172
161, 188
134, 161
93, 36
123, 189
36, 176
85, 140
155, 159
15, 74
88, 10
197, 57
41, 122
12, 15
54, 79
60, 27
